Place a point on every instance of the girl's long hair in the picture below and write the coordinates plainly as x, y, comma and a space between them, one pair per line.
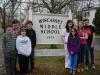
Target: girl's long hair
67, 27
76, 32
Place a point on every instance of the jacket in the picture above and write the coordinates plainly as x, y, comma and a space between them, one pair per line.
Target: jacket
73, 44
32, 35
9, 43
23, 45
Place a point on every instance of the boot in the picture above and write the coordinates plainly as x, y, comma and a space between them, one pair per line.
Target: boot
82, 67
79, 68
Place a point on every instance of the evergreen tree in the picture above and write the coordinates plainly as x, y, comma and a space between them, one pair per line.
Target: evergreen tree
96, 20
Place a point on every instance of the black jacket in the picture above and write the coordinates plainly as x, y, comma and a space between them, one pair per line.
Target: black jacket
32, 35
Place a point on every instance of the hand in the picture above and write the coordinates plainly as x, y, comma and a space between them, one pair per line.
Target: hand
66, 53
92, 45
65, 42
72, 52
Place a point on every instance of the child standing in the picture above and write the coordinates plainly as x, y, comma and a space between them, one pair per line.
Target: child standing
90, 43
16, 27
23, 45
83, 47
65, 34
30, 32
9, 43
73, 48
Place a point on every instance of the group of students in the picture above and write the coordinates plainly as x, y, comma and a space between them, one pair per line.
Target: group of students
19, 42
79, 43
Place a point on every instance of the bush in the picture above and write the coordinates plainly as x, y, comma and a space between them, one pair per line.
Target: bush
96, 20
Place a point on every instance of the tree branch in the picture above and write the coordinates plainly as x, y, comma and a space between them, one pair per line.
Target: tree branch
46, 5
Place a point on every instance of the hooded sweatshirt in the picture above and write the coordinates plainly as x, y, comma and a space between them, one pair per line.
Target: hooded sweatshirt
73, 44
23, 45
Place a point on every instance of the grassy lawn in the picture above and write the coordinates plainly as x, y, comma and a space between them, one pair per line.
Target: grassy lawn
55, 66
48, 46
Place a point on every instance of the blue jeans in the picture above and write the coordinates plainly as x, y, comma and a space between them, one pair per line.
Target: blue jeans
87, 55
73, 63
91, 56
83, 54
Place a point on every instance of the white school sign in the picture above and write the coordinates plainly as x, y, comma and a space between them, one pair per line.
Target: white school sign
48, 27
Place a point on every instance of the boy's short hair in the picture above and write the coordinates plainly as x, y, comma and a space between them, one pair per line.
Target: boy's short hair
9, 26
28, 22
15, 21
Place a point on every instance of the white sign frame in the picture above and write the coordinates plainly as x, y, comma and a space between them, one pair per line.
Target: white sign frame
48, 27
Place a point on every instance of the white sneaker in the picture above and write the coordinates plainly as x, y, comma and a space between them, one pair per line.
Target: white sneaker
71, 71
93, 66
86, 68
74, 72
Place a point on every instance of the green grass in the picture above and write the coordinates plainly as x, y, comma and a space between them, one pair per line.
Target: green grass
50, 66
48, 46
55, 66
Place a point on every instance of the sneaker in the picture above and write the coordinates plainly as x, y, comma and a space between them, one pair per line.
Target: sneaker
82, 69
78, 70
71, 71
74, 72
34, 70
86, 68
93, 66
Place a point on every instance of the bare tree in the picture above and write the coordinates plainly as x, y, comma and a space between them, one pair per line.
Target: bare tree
78, 7
8, 9
3, 12
55, 6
